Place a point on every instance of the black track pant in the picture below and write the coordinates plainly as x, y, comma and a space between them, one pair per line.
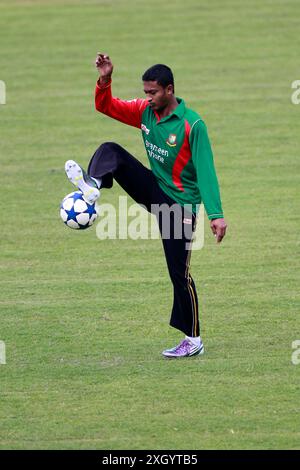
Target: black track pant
111, 161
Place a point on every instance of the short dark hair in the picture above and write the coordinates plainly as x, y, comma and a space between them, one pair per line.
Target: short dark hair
160, 73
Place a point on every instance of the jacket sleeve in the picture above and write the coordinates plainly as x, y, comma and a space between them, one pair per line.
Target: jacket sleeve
128, 112
206, 175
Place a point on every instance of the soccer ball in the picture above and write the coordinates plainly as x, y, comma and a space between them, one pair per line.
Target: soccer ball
76, 212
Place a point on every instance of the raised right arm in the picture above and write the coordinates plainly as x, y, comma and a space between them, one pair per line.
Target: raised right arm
128, 112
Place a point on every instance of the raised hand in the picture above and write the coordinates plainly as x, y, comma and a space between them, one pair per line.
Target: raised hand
104, 66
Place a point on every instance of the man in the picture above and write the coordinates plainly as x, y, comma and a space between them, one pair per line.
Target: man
182, 176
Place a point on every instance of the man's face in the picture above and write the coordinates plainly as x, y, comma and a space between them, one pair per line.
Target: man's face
158, 96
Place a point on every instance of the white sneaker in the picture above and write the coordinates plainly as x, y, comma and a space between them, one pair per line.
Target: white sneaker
82, 181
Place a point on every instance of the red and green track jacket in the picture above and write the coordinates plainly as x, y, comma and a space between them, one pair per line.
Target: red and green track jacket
177, 146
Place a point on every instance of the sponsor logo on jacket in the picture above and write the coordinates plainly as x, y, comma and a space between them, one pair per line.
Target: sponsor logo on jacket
144, 128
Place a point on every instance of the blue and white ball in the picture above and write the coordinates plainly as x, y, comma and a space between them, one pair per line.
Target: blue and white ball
76, 212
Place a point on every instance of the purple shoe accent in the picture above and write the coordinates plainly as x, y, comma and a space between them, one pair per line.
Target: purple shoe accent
184, 349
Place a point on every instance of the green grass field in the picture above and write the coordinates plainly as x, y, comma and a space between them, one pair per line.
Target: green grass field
84, 321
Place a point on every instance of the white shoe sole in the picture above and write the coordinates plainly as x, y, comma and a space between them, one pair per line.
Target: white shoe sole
75, 175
